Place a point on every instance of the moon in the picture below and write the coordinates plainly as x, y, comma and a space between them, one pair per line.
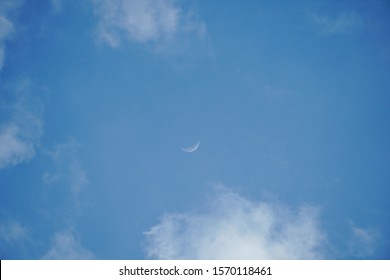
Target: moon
192, 148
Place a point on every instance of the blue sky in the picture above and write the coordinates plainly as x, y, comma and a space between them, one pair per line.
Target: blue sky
289, 100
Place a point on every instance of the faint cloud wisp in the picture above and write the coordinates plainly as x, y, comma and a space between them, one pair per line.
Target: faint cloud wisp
141, 21
20, 136
363, 242
341, 24
65, 246
68, 172
12, 231
7, 27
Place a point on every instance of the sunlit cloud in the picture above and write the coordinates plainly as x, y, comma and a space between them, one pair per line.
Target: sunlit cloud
234, 227
141, 21
66, 246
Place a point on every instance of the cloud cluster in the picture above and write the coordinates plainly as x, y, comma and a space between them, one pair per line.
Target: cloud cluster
236, 228
140, 21
20, 135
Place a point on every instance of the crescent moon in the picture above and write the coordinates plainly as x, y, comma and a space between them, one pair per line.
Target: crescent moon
192, 148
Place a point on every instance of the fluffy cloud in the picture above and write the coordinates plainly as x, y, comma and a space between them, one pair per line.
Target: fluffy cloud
342, 23
140, 21
20, 135
66, 246
236, 228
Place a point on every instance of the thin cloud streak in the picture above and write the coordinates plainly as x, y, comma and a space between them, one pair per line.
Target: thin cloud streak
236, 228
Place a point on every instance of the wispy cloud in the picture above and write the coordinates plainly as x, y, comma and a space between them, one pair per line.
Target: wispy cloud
66, 246
56, 5
68, 171
7, 10
20, 135
364, 242
141, 21
236, 228
13, 231
345, 22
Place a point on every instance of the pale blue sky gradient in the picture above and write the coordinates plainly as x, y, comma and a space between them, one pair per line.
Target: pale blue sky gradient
289, 99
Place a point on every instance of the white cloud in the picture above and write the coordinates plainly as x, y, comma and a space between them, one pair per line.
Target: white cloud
141, 21
236, 228
342, 23
20, 135
13, 148
66, 246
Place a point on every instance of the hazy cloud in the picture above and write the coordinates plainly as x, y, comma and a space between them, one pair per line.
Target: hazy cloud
13, 148
235, 228
342, 23
20, 135
141, 21
12, 231
7, 9
56, 5
65, 246
67, 170
363, 242
67, 174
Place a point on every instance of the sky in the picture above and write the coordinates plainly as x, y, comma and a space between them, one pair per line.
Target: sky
101, 99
